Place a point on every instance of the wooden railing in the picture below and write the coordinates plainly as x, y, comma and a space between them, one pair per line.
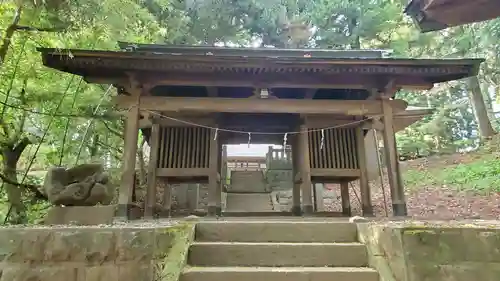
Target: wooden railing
184, 148
246, 163
279, 158
339, 149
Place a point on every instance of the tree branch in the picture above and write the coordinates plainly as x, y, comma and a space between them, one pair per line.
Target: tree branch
5, 129
41, 29
9, 32
113, 131
31, 187
21, 146
110, 147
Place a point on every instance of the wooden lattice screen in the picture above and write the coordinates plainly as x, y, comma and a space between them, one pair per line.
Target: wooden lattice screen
184, 147
339, 149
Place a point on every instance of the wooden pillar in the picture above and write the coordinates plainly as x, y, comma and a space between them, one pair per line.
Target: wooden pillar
319, 204
214, 191
223, 171
392, 163
305, 170
167, 198
181, 196
344, 195
364, 186
192, 194
128, 162
154, 140
218, 201
296, 210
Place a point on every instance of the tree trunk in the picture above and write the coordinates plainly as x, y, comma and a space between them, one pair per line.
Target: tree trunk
11, 155
480, 111
14, 193
488, 101
9, 33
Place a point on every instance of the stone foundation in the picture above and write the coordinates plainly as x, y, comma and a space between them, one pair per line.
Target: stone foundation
88, 215
418, 251
94, 253
399, 251
284, 198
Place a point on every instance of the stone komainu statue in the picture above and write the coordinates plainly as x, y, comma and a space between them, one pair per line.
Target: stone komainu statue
83, 185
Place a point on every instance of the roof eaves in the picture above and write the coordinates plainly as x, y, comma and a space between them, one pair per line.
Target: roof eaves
252, 52
415, 10
396, 61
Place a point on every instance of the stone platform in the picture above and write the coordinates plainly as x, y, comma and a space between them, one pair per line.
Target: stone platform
279, 248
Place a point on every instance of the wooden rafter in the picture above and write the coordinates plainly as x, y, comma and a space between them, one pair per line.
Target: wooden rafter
388, 90
212, 91
316, 81
310, 93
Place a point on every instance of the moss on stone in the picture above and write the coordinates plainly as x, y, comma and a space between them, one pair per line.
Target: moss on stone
169, 265
417, 231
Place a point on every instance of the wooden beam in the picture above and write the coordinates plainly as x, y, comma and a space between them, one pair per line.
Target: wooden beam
319, 204
364, 185
392, 162
278, 80
145, 123
296, 209
389, 90
117, 80
310, 93
127, 181
206, 120
235, 105
182, 172
305, 169
344, 195
214, 191
337, 173
152, 168
212, 91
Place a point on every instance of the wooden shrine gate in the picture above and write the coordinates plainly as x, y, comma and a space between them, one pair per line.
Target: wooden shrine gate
262, 91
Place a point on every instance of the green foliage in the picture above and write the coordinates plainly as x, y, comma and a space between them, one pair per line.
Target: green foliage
480, 176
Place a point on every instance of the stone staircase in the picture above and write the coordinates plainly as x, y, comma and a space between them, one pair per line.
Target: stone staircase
249, 202
277, 250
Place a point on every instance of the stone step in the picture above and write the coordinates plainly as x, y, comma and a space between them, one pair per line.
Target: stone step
276, 231
249, 202
279, 274
247, 181
277, 254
